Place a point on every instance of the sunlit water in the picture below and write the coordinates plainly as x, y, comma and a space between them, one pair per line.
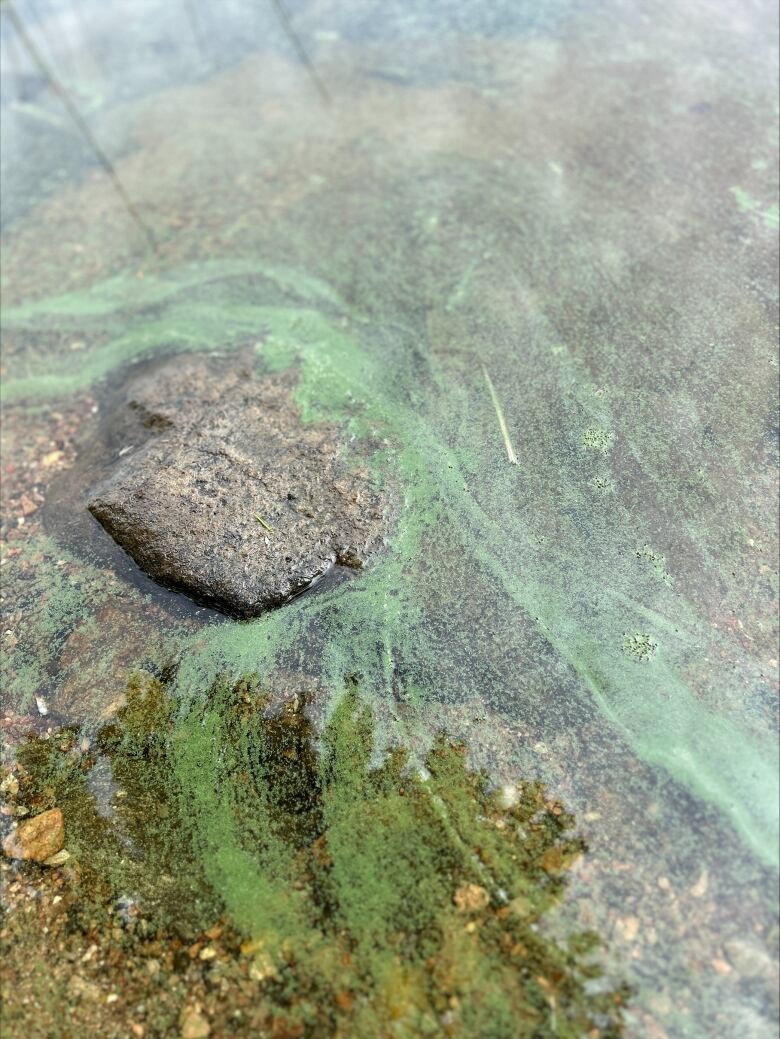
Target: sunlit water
530, 251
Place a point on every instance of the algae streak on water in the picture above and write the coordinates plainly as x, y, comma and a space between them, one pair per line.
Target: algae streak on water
581, 589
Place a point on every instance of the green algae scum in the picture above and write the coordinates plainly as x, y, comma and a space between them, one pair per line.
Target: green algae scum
516, 776
403, 892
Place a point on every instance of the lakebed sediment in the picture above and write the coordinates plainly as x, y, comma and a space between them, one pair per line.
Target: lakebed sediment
381, 251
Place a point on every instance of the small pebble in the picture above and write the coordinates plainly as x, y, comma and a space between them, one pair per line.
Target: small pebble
471, 898
699, 889
627, 928
37, 839
58, 859
193, 1025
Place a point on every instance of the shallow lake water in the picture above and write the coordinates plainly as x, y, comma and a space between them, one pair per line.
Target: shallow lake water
525, 255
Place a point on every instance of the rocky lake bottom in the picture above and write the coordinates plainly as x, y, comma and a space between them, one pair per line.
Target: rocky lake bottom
388, 548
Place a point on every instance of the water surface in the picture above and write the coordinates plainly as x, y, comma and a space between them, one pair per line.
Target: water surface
529, 252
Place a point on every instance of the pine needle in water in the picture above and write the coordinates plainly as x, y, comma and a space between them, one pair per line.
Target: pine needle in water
510, 451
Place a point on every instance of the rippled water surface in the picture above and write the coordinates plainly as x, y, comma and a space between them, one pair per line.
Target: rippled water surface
525, 255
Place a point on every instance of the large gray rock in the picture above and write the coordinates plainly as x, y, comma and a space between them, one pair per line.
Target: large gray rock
222, 492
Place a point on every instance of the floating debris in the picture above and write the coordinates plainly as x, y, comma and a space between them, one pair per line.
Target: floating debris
639, 645
510, 451
263, 523
597, 439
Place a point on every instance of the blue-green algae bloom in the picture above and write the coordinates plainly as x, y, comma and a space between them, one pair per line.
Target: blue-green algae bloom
367, 895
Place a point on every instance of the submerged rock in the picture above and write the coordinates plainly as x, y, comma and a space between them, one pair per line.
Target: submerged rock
37, 839
221, 491
192, 1024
